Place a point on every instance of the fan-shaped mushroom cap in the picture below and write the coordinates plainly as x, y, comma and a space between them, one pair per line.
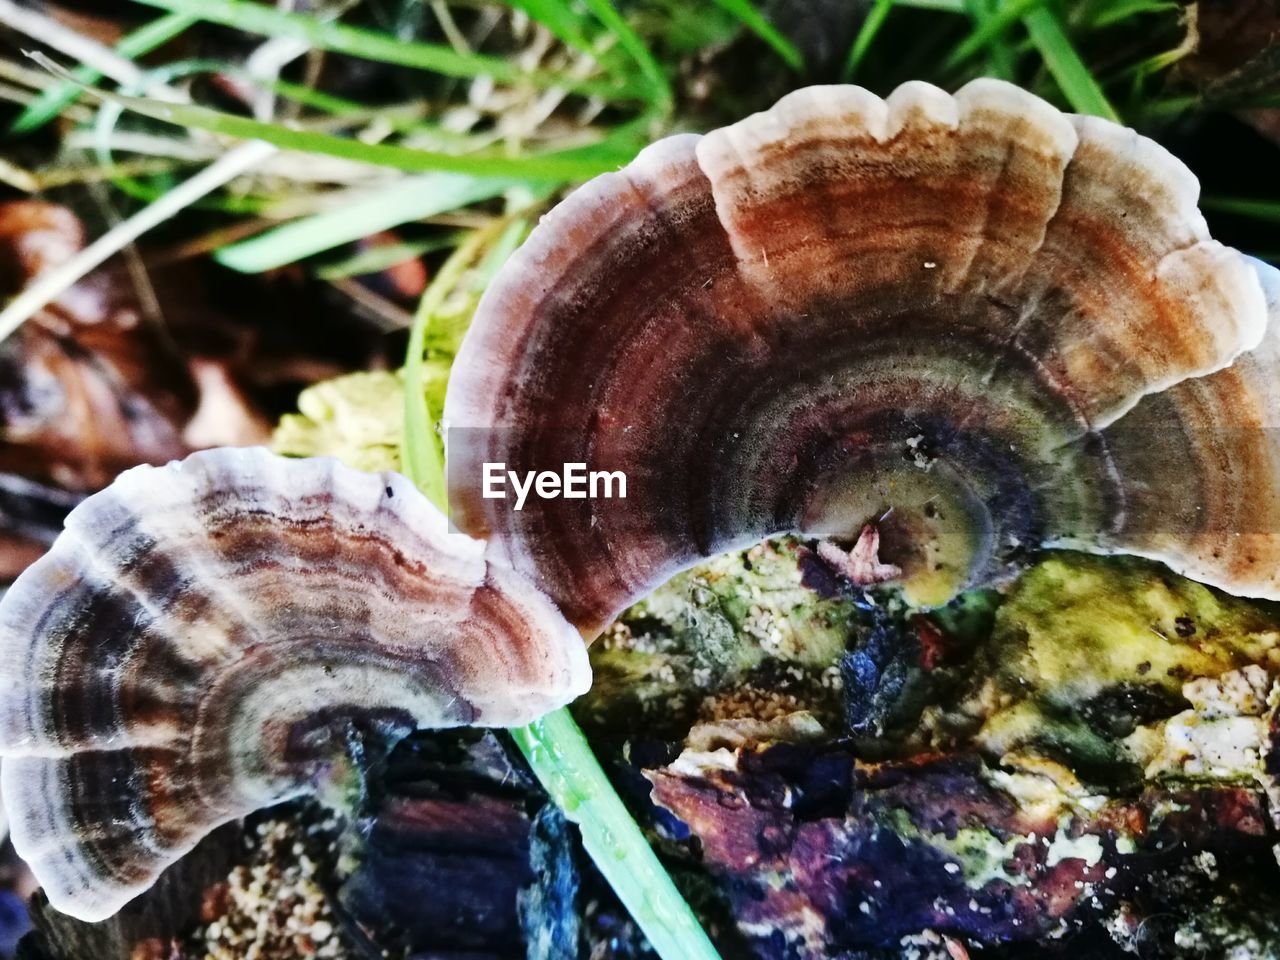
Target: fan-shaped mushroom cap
214, 636
1199, 468
927, 310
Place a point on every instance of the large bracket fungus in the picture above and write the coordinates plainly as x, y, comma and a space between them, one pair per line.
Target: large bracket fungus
215, 636
986, 324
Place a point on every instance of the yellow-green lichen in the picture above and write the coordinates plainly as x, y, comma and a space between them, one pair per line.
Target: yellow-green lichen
1087, 651
358, 418
1075, 625
740, 608
740, 635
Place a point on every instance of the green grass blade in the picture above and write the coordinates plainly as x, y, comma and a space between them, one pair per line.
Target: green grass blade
376, 259
1268, 210
576, 29
1000, 58
562, 759
1152, 65
754, 21
136, 44
339, 38
866, 36
1117, 11
372, 45
558, 17
409, 200
993, 23
421, 451
1064, 63
310, 97
1257, 100
659, 86
944, 6
503, 247
1171, 106
566, 165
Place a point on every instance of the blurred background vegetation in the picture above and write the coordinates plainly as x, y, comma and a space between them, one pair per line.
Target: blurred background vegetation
416, 121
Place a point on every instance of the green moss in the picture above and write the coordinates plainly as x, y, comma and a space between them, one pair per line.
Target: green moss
970, 617
626, 683
738, 609
740, 625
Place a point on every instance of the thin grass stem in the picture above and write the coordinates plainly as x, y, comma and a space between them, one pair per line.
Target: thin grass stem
1268, 210
136, 44
659, 86
51, 285
875, 19
566, 165
992, 25
1073, 77
372, 45
755, 21
409, 200
554, 746
563, 762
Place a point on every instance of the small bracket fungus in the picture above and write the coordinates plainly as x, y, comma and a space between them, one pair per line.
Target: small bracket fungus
224, 633
1005, 326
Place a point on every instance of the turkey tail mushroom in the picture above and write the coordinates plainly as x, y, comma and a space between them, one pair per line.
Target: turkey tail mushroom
217, 635
1199, 466
941, 313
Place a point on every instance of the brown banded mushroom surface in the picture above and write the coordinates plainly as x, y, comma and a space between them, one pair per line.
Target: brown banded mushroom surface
227, 632
983, 325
